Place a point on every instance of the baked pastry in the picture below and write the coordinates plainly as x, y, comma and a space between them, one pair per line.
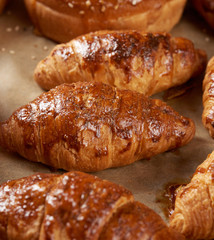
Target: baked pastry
77, 206
143, 62
93, 126
206, 9
208, 98
64, 20
2, 5
194, 205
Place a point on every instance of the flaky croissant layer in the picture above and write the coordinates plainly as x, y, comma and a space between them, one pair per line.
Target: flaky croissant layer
77, 206
143, 62
93, 126
208, 98
194, 205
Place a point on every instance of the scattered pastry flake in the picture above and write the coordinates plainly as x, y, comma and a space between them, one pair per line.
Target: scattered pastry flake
17, 28
207, 39
12, 52
45, 48
33, 57
9, 29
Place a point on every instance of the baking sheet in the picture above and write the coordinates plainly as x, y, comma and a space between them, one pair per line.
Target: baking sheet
21, 50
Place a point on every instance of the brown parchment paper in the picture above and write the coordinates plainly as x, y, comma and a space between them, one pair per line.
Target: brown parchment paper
21, 50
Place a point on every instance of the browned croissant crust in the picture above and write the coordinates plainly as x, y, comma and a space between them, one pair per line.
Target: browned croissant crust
208, 98
194, 206
77, 206
143, 62
2, 5
93, 126
206, 9
62, 20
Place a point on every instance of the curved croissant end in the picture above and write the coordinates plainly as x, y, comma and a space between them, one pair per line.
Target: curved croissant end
194, 206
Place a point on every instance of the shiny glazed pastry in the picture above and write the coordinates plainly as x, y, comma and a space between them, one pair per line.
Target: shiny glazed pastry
206, 9
143, 62
62, 20
208, 98
93, 126
2, 5
194, 205
77, 206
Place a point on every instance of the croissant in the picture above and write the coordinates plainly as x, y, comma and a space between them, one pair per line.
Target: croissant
205, 9
63, 20
143, 62
208, 98
193, 215
77, 206
93, 126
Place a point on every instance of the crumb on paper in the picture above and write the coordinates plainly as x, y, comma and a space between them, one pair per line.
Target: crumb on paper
9, 29
3, 49
207, 39
17, 28
33, 57
12, 52
45, 48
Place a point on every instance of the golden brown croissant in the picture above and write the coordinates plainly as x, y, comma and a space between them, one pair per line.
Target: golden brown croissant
93, 126
77, 206
64, 20
208, 98
194, 205
143, 62
206, 9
